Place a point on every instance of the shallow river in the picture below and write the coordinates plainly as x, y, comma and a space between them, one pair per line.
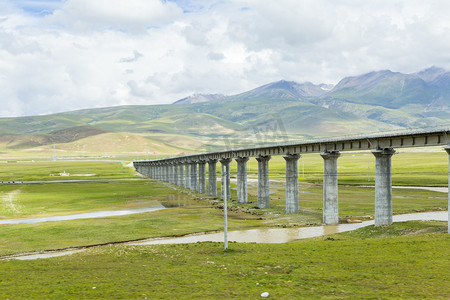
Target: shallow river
278, 235
284, 235
90, 215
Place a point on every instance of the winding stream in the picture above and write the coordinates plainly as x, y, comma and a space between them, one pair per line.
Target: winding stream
284, 235
277, 235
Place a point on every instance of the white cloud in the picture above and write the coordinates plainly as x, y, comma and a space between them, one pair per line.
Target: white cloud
114, 52
135, 57
215, 56
131, 15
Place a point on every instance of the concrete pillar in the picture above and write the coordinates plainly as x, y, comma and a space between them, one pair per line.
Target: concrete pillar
167, 173
241, 179
292, 205
448, 151
180, 174
225, 173
212, 177
159, 172
193, 180
263, 181
163, 172
170, 172
174, 173
383, 186
187, 175
202, 176
330, 187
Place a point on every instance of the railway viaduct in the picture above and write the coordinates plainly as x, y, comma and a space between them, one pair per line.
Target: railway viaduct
190, 170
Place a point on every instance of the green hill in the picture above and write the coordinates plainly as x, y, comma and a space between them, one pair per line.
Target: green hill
276, 112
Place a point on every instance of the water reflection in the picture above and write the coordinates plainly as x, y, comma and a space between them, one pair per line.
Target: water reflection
90, 215
284, 235
45, 255
177, 200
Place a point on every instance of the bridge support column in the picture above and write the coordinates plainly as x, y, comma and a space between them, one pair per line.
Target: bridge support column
330, 187
167, 178
175, 173
167, 173
212, 177
159, 177
155, 172
187, 175
263, 181
193, 175
292, 205
202, 176
448, 151
225, 173
383, 186
163, 172
171, 172
180, 172
241, 179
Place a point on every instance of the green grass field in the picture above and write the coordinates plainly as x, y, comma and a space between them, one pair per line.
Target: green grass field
394, 262
361, 264
197, 213
75, 170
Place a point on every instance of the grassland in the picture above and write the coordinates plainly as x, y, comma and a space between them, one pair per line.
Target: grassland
371, 263
196, 213
75, 170
116, 145
361, 264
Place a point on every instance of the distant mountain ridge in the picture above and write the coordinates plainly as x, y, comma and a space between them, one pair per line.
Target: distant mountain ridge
199, 98
384, 88
367, 103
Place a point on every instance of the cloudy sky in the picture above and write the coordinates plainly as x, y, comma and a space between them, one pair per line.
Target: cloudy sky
60, 55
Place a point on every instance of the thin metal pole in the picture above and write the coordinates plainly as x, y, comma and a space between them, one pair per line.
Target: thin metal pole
225, 208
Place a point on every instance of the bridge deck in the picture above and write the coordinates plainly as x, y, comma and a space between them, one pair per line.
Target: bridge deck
416, 138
